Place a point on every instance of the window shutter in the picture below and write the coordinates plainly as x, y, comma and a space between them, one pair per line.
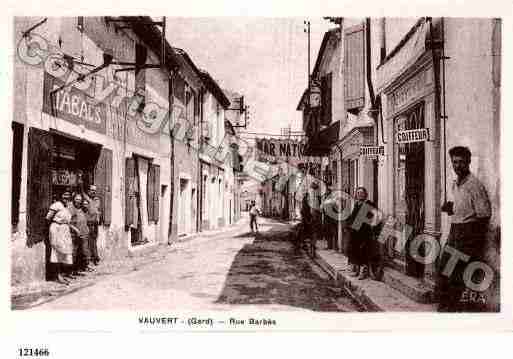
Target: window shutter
130, 191
345, 175
326, 89
140, 74
179, 89
107, 199
355, 60
149, 191
103, 181
156, 192
39, 184
196, 108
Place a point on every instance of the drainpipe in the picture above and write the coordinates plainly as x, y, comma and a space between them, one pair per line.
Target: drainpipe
444, 113
382, 57
199, 186
373, 112
171, 155
434, 46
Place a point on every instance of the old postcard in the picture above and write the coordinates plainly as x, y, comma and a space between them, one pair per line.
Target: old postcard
250, 173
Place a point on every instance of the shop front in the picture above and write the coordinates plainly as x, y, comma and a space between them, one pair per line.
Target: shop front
413, 163
60, 160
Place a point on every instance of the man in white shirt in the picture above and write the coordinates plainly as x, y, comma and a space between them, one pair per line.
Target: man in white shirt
253, 214
470, 215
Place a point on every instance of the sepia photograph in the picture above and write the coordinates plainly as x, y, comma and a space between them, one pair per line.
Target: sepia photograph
275, 164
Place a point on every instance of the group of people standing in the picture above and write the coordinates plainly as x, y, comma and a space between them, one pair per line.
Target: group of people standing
469, 212
73, 234
320, 221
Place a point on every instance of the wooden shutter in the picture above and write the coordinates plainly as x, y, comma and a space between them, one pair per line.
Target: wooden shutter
103, 181
130, 191
140, 74
150, 189
345, 166
355, 71
39, 184
179, 89
326, 90
156, 192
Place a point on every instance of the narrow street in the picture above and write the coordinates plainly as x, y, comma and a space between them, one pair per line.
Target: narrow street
231, 270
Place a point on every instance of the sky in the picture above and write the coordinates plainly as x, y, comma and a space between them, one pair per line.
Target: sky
265, 59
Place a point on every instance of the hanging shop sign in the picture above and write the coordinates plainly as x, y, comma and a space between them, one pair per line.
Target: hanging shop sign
416, 135
315, 96
277, 149
72, 105
371, 151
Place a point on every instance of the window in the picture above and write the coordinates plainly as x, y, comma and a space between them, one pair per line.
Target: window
140, 74
335, 172
326, 108
179, 89
196, 108
80, 23
353, 176
355, 72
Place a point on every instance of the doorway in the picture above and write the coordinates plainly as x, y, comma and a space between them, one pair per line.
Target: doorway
409, 191
184, 207
17, 158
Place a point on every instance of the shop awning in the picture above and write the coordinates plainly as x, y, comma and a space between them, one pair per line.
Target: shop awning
321, 144
406, 53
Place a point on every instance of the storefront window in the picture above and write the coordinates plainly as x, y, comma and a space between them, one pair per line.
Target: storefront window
72, 165
409, 177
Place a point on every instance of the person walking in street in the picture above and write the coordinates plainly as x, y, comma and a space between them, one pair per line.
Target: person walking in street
93, 221
361, 235
61, 256
470, 213
253, 214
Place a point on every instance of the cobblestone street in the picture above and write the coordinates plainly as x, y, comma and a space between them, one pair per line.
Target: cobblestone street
232, 269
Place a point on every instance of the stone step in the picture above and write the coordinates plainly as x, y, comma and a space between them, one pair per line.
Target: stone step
370, 294
413, 288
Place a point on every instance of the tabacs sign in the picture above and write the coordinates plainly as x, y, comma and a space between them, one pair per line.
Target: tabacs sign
73, 105
416, 135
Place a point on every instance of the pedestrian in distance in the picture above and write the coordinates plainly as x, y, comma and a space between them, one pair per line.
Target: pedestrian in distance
254, 212
470, 213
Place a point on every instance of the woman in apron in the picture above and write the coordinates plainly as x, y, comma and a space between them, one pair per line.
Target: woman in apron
61, 243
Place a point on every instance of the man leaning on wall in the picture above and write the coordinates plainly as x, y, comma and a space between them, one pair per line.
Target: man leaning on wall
470, 213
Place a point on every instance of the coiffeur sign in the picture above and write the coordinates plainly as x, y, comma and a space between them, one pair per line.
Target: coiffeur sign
73, 105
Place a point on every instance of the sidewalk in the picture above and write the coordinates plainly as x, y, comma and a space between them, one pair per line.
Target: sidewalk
33, 294
371, 294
